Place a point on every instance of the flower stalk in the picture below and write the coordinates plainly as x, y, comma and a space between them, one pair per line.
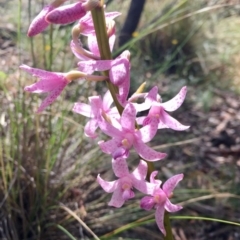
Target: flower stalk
103, 45
167, 225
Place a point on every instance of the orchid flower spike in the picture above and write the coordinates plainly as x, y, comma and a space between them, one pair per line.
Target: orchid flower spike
53, 83
160, 198
39, 23
125, 136
97, 107
158, 109
123, 187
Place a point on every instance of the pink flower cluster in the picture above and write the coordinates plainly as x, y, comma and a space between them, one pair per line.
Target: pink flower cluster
125, 131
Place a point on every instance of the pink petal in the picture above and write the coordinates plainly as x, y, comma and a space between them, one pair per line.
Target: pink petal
148, 153
90, 128
51, 98
109, 129
140, 172
39, 23
66, 14
128, 194
107, 101
42, 86
120, 153
93, 45
117, 199
147, 203
172, 207
83, 109
123, 92
141, 106
39, 72
153, 180
96, 105
86, 24
109, 146
149, 131
111, 15
139, 119
161, 125
107, 186
120, 167
119, 71
172, 122
152, 96
112, 41
175, 102
128, 117
159, 216
171, 183
92, 65
74, 47
143, 186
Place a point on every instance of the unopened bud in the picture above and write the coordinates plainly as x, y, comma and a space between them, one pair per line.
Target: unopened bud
91, 4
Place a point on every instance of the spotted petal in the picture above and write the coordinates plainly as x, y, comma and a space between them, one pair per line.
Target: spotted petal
159, 216
117, 199
109, 146
149, 131
172, 122
66, 14
172, 207
128, 117
148, 153
83, 109
141, 171
108, 187
39, 23
175, 102
39, 72
51, 98
107, 100
171, 183
120, 167
90, 128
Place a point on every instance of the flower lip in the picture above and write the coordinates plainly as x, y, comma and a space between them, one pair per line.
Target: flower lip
159, 197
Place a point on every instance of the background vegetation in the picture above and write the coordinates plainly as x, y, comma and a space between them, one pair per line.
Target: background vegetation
48, 167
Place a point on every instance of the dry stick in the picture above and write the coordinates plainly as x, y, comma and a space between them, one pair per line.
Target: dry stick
73, 214
105, 53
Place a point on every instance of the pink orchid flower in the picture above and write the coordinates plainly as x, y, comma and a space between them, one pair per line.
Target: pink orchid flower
97, 107
86, 27
160, 198
123, 187
158, 109
125, 135
53, 83
86, 23
119, 72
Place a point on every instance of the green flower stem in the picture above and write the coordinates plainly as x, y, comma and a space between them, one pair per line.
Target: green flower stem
167, 225
105, 53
